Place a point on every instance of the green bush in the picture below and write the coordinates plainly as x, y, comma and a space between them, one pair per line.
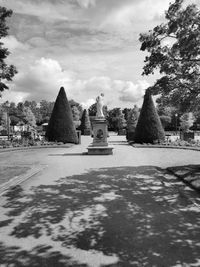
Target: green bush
85, 123
61, 127
149, 128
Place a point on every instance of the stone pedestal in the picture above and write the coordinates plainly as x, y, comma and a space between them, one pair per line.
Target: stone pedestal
100, 145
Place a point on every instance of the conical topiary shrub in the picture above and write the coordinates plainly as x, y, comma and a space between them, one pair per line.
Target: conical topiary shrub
61, 127
85, 126
149, 128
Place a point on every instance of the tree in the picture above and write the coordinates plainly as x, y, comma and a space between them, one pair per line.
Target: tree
85, 122
46, 110
174, 49
121, 122
165, 120
61, 127
186, 121
32, 105
5, 121
29, 117
126, 113
93, 110
113, 118
73, 103
7, 72
132, 119
76, 116
20, 107
149, 128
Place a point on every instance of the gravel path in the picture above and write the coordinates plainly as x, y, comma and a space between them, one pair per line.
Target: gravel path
123, 210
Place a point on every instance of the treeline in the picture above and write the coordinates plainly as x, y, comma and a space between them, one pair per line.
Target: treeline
35, 114
31, 110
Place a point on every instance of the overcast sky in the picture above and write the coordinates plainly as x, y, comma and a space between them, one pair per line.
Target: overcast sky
87, 46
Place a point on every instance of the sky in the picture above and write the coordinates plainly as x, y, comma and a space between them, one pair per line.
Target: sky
87, 46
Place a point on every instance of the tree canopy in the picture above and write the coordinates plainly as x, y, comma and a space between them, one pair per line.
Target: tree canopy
174, 49
7, 72
133, 119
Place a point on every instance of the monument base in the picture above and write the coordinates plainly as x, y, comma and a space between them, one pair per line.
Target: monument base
100, 150
100, 145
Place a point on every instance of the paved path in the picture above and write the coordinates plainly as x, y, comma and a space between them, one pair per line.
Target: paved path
119, 210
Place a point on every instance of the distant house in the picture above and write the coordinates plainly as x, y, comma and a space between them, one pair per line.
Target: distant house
44, 126
20, 128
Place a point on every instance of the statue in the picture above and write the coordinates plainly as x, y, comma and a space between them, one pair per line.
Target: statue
99, 103
100, 145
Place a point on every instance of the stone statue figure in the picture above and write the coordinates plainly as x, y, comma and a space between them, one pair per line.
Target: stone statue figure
99, 103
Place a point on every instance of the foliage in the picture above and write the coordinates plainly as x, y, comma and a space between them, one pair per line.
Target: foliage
132, 120
121, 122
73, 103
149, 128
165, 120
174, 49
29, 117
133, 116
76, 116
5, 120
126, 111
7, 72
42, 111
93, 110
116, 119
46, 110
85, 121
187, 120
61, 127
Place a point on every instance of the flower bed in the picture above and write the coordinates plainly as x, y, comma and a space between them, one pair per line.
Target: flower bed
26, 143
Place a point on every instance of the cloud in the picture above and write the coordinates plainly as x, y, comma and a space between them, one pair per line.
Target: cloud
88, 103
119, 93
13, 44
86, 3
130, 92
45, 76
45, 10
38, 42
42, 79
84, 45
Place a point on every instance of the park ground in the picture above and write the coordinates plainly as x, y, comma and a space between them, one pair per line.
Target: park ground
71, 209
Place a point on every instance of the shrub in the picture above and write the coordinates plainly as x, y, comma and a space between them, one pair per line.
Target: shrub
61, 127
85, 122
149, 128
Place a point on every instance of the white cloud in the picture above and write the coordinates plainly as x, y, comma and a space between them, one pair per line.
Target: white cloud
131, 92
86, 3
45, 76
126, 19
88, 103
42, 79
47, 11
13, 44
38, 42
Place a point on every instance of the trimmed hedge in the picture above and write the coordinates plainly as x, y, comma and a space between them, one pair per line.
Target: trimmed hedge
85, 123
61, 126
149, 128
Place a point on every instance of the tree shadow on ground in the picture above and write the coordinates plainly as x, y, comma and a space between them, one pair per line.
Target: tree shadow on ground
125, 216
190, 174
39, 256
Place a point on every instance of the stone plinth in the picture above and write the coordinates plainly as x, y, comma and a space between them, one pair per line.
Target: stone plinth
100, 145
